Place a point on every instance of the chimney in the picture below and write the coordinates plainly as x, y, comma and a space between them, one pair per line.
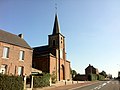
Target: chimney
21, 36
89, 64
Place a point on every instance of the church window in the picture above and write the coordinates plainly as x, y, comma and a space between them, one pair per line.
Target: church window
53, 42
61, 53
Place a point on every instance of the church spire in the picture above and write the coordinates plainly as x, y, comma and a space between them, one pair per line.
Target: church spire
56, 29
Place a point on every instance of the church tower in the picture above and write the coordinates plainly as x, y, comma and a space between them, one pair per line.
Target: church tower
57, 40
57, 47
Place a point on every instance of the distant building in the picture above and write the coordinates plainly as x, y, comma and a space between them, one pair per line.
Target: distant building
15, 54
52, 57
91, 70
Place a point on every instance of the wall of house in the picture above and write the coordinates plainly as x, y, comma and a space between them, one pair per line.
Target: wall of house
13, 62
90, 70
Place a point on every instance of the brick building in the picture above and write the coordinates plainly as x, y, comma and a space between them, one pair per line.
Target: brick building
15, 54
91, 70
52, 57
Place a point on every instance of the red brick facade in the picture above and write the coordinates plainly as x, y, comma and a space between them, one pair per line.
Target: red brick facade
13, 62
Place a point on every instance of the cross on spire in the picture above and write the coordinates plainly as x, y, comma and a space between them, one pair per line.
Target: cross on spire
55, 7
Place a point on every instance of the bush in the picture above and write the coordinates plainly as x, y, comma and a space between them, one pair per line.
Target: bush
77, 77
41, 81
53, 77
92, 77
11, 82
101, 77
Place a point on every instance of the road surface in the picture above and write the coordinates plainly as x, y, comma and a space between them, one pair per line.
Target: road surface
102, 85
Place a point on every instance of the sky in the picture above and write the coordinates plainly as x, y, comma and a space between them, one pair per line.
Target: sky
91, 28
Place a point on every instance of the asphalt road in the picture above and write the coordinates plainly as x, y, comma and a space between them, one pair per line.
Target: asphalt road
103, 85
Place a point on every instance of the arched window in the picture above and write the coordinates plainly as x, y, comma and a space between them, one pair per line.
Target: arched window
53, 42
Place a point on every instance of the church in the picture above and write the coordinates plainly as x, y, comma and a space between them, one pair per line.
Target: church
51, 58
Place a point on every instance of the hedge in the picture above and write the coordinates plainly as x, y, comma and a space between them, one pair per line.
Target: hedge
11, 82
41, 81
92, 77
101, 77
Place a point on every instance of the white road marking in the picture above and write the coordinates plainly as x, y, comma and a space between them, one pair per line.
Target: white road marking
100, 86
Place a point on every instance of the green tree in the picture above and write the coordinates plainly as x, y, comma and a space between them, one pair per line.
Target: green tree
103, 73
74, 73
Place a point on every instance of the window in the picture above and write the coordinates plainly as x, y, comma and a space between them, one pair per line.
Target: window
6, 52
61, 53
3, 69
21, 55
20, 71
53, 42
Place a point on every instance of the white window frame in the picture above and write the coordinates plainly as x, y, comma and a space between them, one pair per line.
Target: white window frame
61, 53
20, 70
22, 55
5, 52
3, 69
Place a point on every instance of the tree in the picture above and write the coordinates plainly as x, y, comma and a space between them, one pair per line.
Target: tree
73, 72
103, 73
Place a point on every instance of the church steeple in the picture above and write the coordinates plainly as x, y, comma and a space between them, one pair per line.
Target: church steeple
56, 29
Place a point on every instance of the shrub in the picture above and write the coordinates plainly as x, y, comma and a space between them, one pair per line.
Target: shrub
77, 77
101, 77
92, 77
53, 77
11, 82
41, 81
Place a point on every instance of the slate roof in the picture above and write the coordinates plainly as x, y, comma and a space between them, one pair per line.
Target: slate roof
56, 29
90, 66
13, 39
41, 48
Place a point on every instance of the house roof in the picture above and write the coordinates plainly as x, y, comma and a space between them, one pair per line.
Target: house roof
10, 38
90, 66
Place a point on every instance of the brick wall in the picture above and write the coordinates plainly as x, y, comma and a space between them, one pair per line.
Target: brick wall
68, 75
13, 61
53, 64
90, 70
42, 63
